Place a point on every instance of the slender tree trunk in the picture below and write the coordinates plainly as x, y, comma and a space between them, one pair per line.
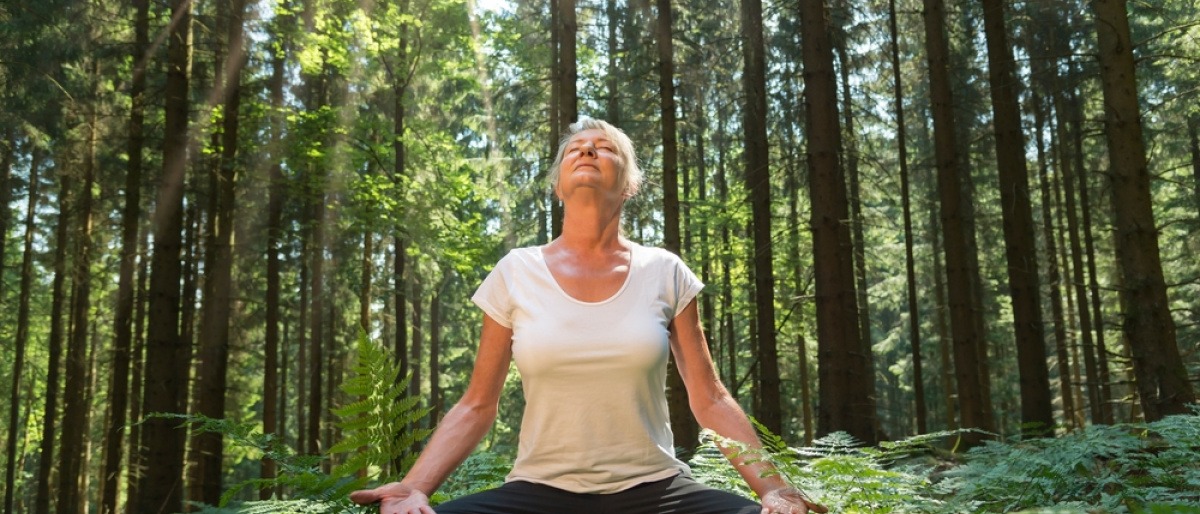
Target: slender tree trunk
317, 320
914, 311
1069, 183
566, 29
964, 318
22, 336
945, 340
1104, 407
219, 294
57, 308
1037, 411
1053, 276
7, 160
683, 425
1194, 140
612, 110
160, 490
414, 356
123, 319
302, 360
844, 370
758, 186
273, 424
136, 365
848, 150
71, 497
1162, 378
435, 353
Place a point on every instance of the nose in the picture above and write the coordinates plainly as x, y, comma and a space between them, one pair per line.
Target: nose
589, 150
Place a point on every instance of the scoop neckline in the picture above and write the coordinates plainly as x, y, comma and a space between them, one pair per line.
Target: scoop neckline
558, 287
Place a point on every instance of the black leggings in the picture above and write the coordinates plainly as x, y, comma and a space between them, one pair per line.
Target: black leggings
678, 495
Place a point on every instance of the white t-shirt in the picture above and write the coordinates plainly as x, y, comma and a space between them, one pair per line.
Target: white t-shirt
593, 373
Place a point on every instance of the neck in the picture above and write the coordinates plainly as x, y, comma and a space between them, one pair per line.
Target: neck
595, 226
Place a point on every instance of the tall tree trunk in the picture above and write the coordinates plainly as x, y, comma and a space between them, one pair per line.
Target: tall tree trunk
914, 311
136, 365
848, 150
1104, 406
414, 356
317, 319
758, 186
273, 418
683, 425
218, 285
7, 160
57, 307
22, 336
160, 490
566, 29
1037, 411
1162, 379
1068, 147
435, 353
945, 340
844, 369
964, 318
1053, 276
123, 319
75, 410
1194, 140
612, 109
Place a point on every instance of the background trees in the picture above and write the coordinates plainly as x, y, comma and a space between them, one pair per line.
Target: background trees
383, 154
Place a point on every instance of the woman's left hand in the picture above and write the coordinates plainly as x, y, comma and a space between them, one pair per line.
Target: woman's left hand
789, 500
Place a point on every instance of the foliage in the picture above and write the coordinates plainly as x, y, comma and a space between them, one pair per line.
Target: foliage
369, 424
481, 471
1117, 468
1133, 468
372, 447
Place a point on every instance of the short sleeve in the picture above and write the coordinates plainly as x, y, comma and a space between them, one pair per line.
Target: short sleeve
686, 284
494, 296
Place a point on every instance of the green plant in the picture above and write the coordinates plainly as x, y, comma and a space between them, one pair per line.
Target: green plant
377, 437
1136, 467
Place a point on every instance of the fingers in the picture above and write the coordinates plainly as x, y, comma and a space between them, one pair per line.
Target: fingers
366, 496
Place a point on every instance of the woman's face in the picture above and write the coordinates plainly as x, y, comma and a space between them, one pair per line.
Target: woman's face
591, 162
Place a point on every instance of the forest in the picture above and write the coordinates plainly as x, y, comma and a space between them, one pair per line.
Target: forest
949, 246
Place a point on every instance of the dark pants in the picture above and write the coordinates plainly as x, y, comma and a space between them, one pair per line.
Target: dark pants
677, 495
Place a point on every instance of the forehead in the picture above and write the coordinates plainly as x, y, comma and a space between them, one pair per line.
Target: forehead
589, 135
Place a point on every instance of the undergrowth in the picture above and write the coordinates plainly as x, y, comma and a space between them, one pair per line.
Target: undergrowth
1136, 468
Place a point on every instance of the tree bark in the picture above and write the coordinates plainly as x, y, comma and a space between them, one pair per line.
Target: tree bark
683, 426
758, 186
218, 285
1089, 259
566, 29
965, 320
1163, 384
160, 489
1037, 411
846, 379
273, 419
914, 311
57, 306
1194, 145
75, 410
123, 318
21, 339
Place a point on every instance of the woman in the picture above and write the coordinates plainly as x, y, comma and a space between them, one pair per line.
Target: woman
589, 319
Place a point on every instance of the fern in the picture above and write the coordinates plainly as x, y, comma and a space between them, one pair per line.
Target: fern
375, 444
375, 447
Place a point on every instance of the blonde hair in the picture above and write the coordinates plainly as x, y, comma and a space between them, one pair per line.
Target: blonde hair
628, 172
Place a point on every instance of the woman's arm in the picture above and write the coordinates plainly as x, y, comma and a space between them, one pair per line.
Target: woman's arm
716, 410
459, 432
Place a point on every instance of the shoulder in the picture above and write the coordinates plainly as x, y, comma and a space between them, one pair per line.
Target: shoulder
652, 256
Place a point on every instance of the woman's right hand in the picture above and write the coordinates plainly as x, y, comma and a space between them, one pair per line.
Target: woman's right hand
394, 498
